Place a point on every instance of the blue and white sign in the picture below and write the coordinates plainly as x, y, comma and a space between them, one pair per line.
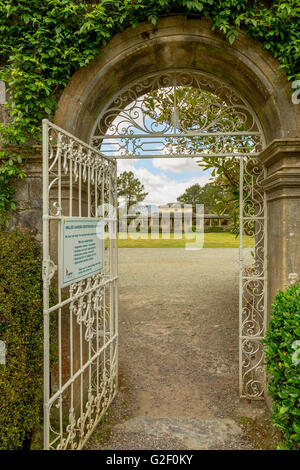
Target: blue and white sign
82, 248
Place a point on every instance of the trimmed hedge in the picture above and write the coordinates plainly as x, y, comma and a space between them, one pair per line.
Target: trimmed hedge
283, 364
21, 327
214, 229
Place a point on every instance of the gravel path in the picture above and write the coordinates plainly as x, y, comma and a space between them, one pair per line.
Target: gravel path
178, 356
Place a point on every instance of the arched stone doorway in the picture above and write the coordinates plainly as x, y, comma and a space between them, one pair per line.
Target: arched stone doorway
133, 54
249, 69
180, 112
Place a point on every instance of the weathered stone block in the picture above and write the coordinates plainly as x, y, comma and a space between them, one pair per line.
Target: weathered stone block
21, 190
36, 189
30, 220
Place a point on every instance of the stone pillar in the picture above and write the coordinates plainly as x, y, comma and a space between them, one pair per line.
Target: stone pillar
29, 196
281, 160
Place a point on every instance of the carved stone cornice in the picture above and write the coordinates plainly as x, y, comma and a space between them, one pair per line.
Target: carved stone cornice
281, 160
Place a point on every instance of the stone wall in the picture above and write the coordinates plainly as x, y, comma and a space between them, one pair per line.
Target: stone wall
29, 197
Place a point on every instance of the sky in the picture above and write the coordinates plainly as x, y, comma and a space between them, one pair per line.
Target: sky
165, 178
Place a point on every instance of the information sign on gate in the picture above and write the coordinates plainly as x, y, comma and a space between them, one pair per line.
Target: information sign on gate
82, 248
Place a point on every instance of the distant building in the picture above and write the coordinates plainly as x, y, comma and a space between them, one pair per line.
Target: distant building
171, 217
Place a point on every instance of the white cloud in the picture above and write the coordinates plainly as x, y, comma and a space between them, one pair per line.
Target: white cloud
163, 189
176, 165
126, 164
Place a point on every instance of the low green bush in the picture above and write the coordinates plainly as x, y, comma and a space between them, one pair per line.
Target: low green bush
282, 348
21, 328
214, 229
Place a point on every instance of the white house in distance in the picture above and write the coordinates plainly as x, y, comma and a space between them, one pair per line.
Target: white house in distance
173, 217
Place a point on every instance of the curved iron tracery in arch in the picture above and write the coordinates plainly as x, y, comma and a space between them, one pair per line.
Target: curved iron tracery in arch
177, 113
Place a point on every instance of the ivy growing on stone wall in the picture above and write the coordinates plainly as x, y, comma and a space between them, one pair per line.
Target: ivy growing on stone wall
43, 42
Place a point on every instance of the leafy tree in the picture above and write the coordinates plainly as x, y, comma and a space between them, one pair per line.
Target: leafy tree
192, 195
131, 188
209, 195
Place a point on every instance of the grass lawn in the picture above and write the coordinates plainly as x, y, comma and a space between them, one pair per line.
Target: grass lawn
211, 240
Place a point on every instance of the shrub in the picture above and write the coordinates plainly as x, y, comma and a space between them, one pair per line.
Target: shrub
21, 327
283, 363
214, 229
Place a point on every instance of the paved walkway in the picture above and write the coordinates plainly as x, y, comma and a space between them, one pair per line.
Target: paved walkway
179, 355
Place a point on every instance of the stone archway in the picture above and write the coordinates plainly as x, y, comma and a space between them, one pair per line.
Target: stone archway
245, 66
178, 41
253, 72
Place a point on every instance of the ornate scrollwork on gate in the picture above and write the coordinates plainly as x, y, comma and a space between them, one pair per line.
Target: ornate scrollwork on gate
253, 281
186, 113
79, 182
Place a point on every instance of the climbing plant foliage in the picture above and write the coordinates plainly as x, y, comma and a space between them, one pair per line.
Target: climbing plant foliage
43, 42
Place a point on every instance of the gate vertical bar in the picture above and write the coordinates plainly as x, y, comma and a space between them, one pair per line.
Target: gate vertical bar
241, 263
266, 299
116, 282
46, 262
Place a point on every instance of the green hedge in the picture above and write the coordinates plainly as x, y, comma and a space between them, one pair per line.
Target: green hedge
21, 327
283, 364
214, 229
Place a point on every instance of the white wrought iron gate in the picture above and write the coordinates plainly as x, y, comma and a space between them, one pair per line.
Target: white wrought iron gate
170, 114
183, 113
81, 319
